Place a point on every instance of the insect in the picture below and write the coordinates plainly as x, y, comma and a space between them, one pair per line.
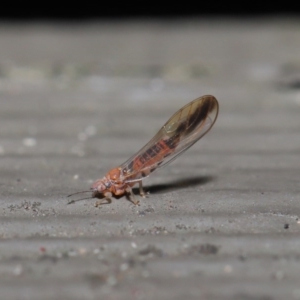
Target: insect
180, 132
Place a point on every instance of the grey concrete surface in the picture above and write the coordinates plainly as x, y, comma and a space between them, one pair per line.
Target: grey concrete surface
221, 222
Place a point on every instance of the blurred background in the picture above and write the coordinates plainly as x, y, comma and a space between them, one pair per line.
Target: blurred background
163, 9
83, 88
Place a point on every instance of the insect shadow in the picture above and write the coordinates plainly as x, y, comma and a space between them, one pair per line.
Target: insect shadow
177, 184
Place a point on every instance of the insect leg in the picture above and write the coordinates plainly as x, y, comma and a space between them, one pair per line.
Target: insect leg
131, 196
142, 193
106, 200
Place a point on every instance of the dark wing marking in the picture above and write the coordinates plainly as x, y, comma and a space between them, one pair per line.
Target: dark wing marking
179, 133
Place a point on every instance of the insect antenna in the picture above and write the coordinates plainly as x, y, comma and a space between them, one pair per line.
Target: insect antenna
73, 201
79, 193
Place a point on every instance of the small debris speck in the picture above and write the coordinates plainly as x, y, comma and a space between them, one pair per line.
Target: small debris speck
124, 267
111, 280
96, 251
18, 270
29, 142
90, 130
228, 269
1, 150
78, 150
72, 253
82, 251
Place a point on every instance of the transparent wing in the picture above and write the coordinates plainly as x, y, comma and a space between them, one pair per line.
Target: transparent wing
179, 133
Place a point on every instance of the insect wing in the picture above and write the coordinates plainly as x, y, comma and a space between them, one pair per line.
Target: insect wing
179, 133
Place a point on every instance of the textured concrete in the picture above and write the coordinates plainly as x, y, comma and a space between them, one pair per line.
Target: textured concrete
221, 222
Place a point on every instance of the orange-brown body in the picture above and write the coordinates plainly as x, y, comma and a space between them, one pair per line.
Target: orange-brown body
113, 184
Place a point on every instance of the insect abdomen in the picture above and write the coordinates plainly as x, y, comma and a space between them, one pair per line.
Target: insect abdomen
154, 154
